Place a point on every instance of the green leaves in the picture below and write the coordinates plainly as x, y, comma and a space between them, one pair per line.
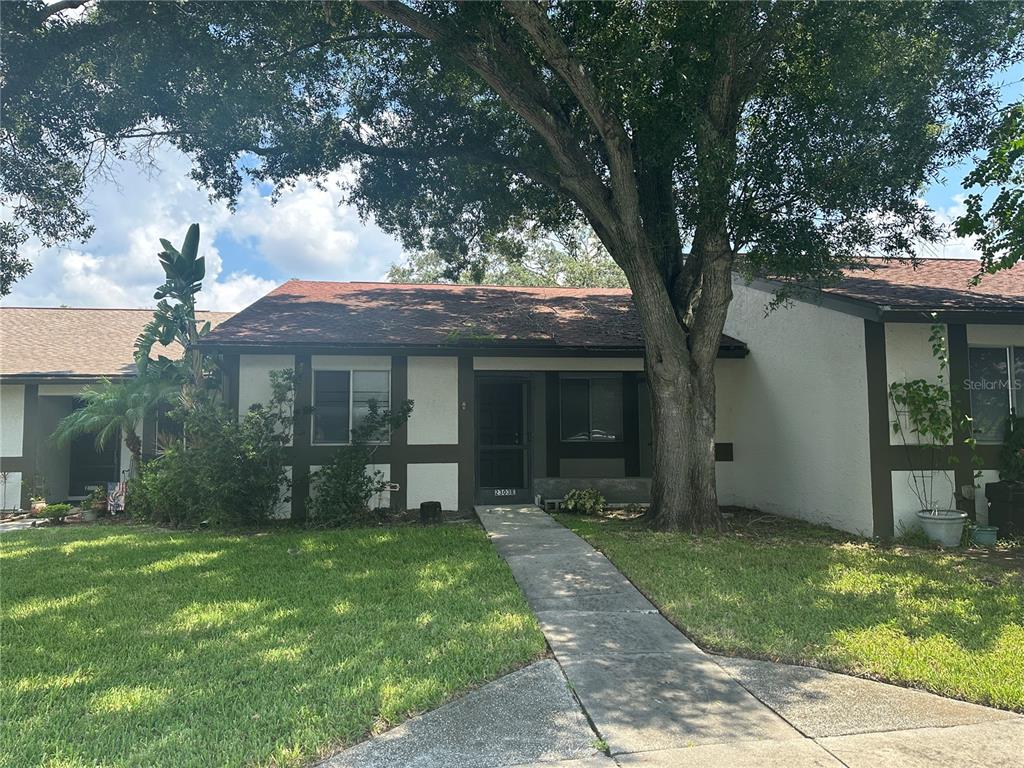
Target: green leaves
995, 214
184, 269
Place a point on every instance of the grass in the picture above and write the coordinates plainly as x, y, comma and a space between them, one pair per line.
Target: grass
127, 646
793, 592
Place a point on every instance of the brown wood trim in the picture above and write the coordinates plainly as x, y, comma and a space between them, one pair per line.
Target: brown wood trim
465, 451
230, 366
399, 446
960, 397
331, 348
552, 424
878, 430
631, 422
30, 439
301, 435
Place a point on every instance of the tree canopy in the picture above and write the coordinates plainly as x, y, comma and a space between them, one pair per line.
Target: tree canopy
696, 139
848, 110
573, 259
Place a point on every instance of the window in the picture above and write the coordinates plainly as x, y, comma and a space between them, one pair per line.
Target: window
996, 386
331, 406
591, 408
341, 400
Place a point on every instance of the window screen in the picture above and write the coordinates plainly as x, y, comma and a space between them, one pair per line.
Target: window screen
591, 408
990, 392
331, 399
367, 387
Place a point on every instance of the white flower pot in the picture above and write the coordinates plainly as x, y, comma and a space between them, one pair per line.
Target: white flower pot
943, 526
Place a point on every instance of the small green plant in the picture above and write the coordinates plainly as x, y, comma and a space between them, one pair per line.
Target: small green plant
584, 501
341, 490
1011, 458
55, 513
600, 745
97, 500
927, 423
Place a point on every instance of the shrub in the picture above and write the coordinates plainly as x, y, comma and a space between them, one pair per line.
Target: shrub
341, 490
226, 471
584, 501
53, 512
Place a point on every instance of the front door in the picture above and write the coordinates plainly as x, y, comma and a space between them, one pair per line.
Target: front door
502, 440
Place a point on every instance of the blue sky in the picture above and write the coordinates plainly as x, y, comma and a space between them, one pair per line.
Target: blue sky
308, 234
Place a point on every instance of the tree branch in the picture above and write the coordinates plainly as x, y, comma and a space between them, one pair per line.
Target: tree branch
58, 7
531, 17
518, 84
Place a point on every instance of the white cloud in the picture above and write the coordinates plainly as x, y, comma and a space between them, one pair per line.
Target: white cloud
310, 234
952, 247
307, 234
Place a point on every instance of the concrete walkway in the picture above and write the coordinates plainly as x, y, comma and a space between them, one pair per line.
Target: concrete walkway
624, 676
657, 699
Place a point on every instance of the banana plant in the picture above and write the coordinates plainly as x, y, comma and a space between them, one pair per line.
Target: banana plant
175, 317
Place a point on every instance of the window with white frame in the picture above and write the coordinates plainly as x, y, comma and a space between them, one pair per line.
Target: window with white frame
341, 401
591, 408
996, 387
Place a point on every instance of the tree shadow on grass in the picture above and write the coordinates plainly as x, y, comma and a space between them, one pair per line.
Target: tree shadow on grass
941, 621
202, 649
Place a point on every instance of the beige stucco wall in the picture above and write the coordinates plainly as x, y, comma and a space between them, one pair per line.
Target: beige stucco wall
796, 411
433, 482
434, 390
12, 419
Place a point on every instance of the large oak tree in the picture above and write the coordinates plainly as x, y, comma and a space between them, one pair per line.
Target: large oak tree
697, 139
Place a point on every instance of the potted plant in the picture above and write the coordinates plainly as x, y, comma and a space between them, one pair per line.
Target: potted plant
1006, 498
95, 505
924, 422
37, 495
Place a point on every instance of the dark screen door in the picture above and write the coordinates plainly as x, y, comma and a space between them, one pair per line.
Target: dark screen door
502, 441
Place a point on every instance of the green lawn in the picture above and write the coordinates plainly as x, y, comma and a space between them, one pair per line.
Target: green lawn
792, 592
126, 646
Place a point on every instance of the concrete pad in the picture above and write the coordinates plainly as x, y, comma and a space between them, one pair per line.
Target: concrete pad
997, 744
527, 716
542, 541
578, 634
603, 761
795, 753
553, 576
822, 703
612, 602
495, 518
668, 700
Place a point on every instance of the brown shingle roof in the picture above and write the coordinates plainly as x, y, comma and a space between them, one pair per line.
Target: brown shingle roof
386, 314
939, 284
75, 343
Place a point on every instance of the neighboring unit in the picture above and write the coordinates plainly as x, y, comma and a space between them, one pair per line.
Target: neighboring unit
814, 436
47, 357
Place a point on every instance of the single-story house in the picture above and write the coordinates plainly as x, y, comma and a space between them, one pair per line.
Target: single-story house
525, 392
47, 357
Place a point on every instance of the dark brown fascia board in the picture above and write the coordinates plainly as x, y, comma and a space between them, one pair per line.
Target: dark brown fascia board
965, 316
57, 378
856, 307
885, 313
730, 351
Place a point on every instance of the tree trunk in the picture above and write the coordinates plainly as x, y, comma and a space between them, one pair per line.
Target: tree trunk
682, 388
134, 445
